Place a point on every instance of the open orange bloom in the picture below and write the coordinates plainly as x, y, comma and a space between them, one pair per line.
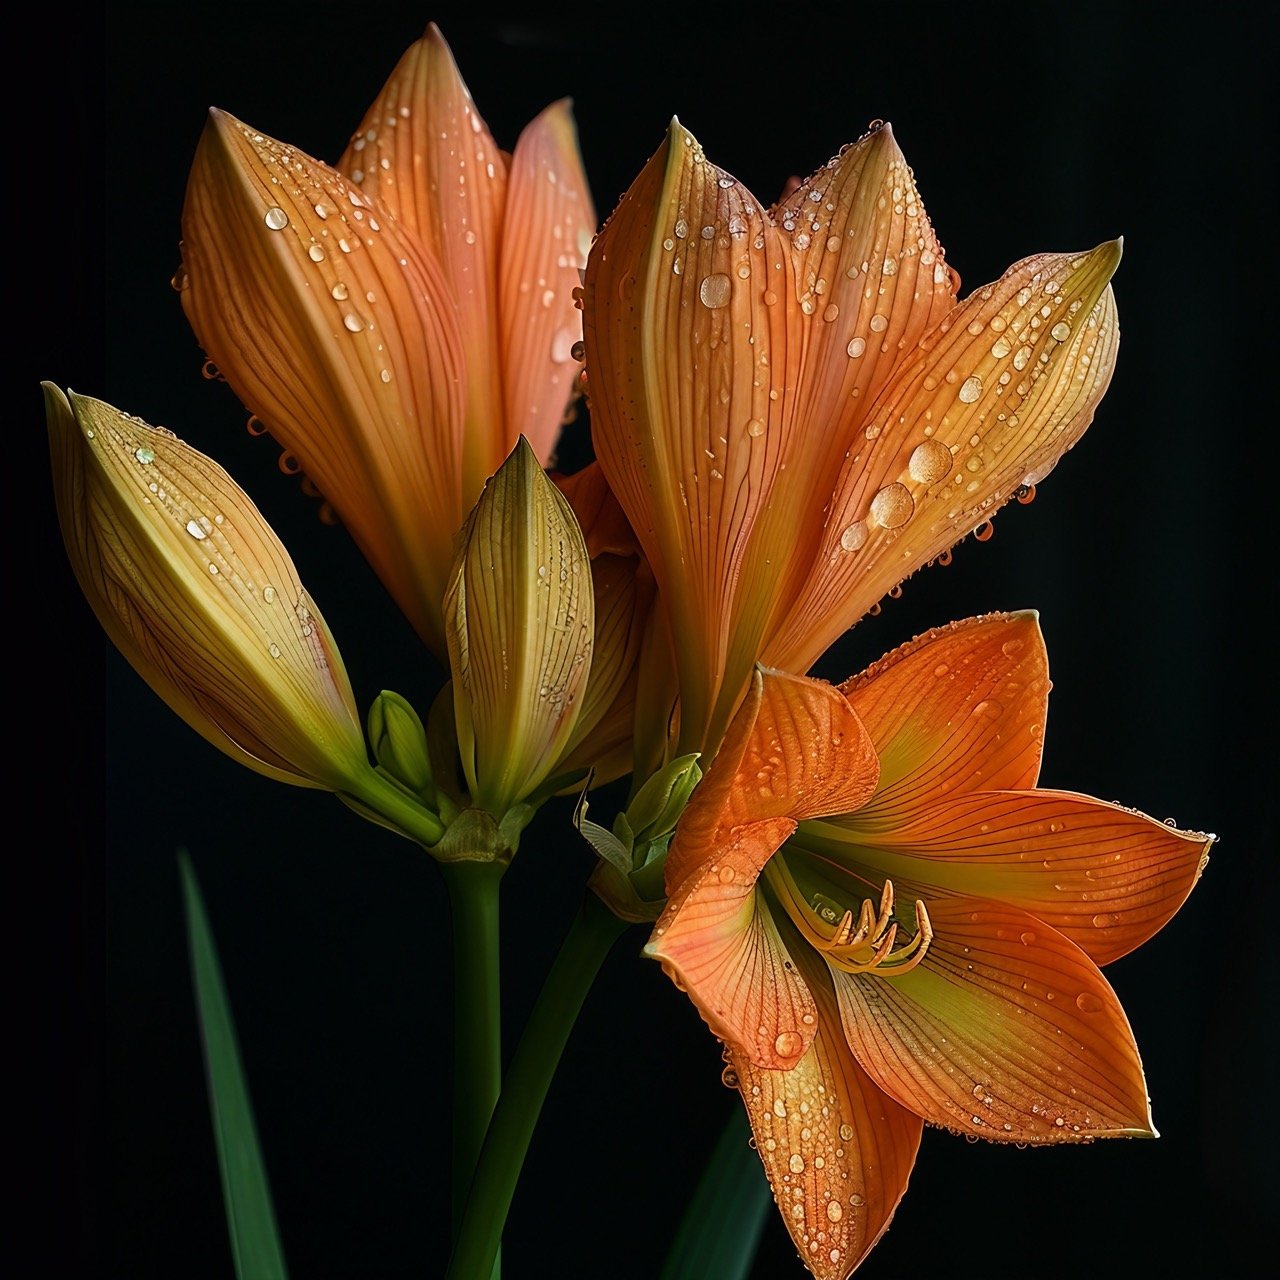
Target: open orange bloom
888, 923
795, 411
399, 321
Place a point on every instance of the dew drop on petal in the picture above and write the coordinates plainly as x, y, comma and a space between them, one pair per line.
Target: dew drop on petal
714, 290
970, 390
853, 536
788, 1044
930, 461
856, 347
276, 218
893, 505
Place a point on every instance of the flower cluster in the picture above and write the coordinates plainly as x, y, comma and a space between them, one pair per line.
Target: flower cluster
862, 888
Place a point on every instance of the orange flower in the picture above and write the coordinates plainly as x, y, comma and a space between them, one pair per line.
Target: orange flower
399, 321
795, 411
888, 923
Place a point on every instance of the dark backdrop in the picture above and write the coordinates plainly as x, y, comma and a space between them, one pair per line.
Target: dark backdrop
1041, 127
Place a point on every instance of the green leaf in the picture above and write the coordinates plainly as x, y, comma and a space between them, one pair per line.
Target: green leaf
255, 1244
722, 1225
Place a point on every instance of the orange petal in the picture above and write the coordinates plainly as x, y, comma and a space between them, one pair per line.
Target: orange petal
837, 1150
718, 941
959, 708
195, 589
1005, 1030
336, 329
796, 749
1106, 877
682, 327
446, 180
602, 520
545, 238
997, 393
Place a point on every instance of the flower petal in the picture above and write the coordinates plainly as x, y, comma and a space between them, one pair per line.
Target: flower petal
682, 323
521, 619
718, 941
198, 593
336, 329
545, 238
1106, 877
837, 1150
1005, 1030
445, 179
997, 393
958, 708
796, 749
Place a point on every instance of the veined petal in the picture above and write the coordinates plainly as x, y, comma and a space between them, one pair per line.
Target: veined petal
837, 1150
718, 940
602, 521
337, 330
1005, 1030
682, 327
521, 619
446, 180
546, 235
197, 592
997, 393
796, 749
1104, 876
869, 281
959, 708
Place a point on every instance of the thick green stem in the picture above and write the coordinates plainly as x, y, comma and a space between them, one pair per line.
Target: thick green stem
477, 1015
594, 931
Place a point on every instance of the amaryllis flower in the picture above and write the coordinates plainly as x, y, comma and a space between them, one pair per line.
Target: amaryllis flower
888, 924
795, 411
398, 321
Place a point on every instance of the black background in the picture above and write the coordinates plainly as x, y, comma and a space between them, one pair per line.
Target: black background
1029, 128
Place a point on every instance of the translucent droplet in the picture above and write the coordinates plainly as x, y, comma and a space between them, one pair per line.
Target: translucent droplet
1000, 347
984, 531
276, 218
315, 253
274, 650
930, 461
340, 291
1087, 1002
755, 428
788, 1044
195, 529
879, 323
846, 1133
714, 291
853, 536
1061, 331
856, 347
834, 1213
893, 505
269, 594
353, 322
144, 454
796, 1164
681, 228
970, 390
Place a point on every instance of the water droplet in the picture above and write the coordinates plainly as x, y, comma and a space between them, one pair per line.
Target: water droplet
274, 650
196, 530
893, 505
1027, 937
276, 218
854, 536
727, 875
548, 297
970, 390
353, 322
879, 323
315, 253
796, 1164
755, 428
1000, 348
681, 228
340, 291
834, 1213
1061, 331
846, 1133
984, 531
714, 290
144, 454
269, 594
930, 461
831, 313
780, 1108
856, 347
788, 1044
1105, 920
1087, 1002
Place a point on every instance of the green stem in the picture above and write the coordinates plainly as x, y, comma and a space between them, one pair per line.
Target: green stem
594, 931
477, 1021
